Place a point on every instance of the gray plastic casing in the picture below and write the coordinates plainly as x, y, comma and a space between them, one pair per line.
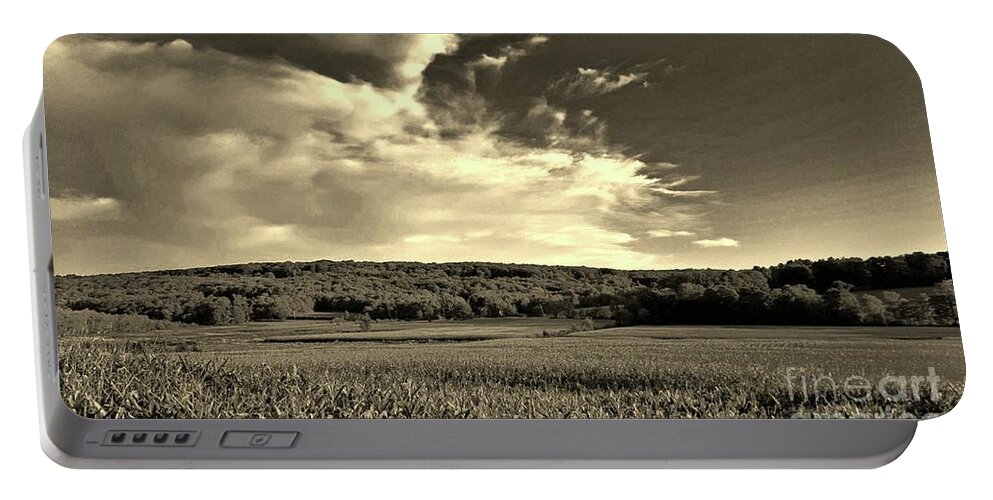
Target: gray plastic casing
75, 441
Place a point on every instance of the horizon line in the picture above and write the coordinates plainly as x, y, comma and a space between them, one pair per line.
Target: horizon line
364, 261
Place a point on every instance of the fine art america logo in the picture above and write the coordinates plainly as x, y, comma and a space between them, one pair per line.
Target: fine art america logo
894, 389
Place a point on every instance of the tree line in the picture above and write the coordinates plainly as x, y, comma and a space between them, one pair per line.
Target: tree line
828, 291
790, 305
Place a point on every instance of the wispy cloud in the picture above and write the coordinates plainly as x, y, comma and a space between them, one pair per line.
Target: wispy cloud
668, 233
508, 53
717, 243
667, 181
694, 193
588, 82
70, 208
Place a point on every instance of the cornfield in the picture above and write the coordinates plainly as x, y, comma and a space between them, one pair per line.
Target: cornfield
562, 377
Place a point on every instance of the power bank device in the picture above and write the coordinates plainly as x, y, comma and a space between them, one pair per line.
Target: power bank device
486, 251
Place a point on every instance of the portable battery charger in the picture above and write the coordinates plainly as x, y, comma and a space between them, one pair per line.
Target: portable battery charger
486, 251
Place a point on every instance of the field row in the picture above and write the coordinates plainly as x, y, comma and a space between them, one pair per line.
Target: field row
567, 377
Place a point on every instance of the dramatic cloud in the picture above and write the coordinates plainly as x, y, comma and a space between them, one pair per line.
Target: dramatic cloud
175, 153
629, 151
459, 87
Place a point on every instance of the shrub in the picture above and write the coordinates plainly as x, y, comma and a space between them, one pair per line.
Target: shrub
94, 324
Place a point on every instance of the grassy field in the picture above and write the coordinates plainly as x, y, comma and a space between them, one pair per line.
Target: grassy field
510, 368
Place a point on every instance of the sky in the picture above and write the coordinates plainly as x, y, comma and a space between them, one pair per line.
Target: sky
629, 152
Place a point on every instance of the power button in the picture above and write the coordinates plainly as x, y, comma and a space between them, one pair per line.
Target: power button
252, 439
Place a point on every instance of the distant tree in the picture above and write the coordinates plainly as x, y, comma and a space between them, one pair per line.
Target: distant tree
794, 272
853, 271
324, 303
454, 307
753, 305
497, 306
556, 306
364, 323
943, 305
873, 311
841, 305
753, 278
241, 310
208, 311
722, 296
917, 311
720, 303
272, 307
690, 291
892, 303
796, 305
649, 306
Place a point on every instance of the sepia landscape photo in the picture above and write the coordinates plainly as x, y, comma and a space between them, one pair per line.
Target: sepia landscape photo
496, 226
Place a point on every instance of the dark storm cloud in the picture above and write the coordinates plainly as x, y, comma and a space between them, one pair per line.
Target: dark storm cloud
377, 59
531, 87
759, 119
462, 89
